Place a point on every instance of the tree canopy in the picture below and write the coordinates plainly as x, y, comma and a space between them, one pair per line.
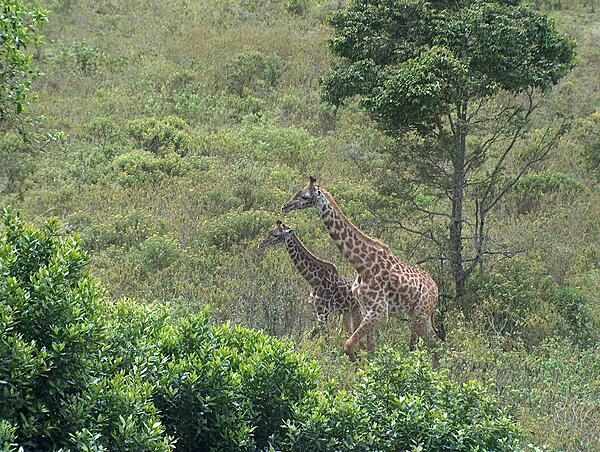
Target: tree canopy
18, 30
430, 74
414, 61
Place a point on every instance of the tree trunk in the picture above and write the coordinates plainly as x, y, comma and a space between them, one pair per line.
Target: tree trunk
458, 194
456, 239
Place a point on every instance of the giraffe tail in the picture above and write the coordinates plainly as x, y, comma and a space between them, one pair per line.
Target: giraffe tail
439, 329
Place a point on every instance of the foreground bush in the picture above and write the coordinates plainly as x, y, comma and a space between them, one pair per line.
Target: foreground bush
78, 372
400, 403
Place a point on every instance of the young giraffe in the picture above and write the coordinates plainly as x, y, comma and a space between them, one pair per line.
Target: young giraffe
331, 292
384, 284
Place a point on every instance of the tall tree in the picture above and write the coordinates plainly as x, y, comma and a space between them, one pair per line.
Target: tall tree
18, 30
455, 83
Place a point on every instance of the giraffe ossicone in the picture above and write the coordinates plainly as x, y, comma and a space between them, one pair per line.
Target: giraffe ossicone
331, 292
384, 285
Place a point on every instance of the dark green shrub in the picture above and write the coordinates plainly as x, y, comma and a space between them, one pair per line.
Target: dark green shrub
574, 307
138, 167
532, 189
54, 353
400, 403
511, 300
252, 72
229, 388
235, 228
162, 136
79, 373
297, 7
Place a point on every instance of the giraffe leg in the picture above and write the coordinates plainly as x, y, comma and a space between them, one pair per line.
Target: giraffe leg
365, 329
348, 322
422, 326
320, 314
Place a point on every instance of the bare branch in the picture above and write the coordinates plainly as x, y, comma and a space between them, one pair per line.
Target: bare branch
545, 149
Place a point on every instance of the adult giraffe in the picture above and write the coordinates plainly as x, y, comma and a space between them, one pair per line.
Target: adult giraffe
384, 285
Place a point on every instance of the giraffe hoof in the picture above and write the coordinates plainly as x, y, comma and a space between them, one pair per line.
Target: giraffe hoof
349, 350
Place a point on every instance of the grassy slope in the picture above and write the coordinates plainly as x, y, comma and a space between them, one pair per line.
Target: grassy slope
181, 223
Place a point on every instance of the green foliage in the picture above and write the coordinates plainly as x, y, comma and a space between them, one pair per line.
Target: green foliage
590, 135
411, 75
104, 130
168, 135
551, 388
139, 167
517, 301
19, 29
18, 163
531, 191
444, 72
246, 153
82, 59
229, 388
77, 372
7, 436
155, 253
575, 308
297, 7
125, 231
507, 300
236, 228
400, 403
252, 71
53, 348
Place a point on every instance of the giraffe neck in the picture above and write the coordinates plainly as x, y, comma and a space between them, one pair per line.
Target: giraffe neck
308, 265
354, 244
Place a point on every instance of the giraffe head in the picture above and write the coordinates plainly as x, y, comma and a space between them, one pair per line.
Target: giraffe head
277, 235
304, 198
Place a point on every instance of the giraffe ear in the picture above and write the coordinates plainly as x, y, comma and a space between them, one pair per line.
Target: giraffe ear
279, 222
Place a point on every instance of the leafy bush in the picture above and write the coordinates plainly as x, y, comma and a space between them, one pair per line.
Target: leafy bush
125, 230
509, 300
252, 72
574, 307
79, 373
136, 167
52, 350
228, 387
19, 29
532, 189
517, 300
104, 130
17, 163
162, 136
400, 403
155, 254
80, 58
293, 146
235, 228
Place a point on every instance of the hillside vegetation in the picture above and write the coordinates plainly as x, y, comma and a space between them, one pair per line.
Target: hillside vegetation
187, 124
